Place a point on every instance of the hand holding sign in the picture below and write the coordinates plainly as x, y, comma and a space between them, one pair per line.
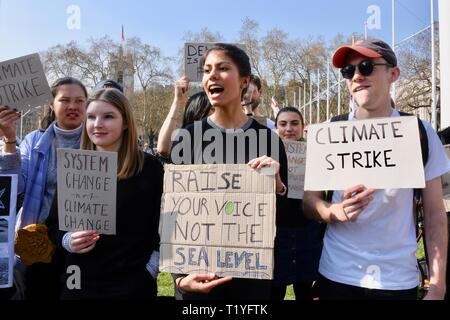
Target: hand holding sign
23, 83
8, 118
355, 200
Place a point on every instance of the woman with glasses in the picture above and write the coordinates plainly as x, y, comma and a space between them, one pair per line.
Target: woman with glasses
298, 242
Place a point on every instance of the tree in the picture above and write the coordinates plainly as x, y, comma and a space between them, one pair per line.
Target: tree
151, 70
249, 37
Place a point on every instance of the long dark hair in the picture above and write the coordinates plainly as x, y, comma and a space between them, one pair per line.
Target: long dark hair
239, 57
289, 109
49, 115
197, 108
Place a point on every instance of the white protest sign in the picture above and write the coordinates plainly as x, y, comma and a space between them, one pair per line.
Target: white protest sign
23, 83
296, 155
8, 196
218, 218
381, 153
87, 184
192, 55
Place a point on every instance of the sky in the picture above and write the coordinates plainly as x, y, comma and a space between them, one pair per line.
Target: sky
28, 26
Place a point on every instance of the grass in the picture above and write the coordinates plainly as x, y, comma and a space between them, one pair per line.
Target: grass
165, 287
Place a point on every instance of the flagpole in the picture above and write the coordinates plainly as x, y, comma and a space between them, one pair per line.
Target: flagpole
433, 72
394, 91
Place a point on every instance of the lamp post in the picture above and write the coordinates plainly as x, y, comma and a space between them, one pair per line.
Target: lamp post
29, 111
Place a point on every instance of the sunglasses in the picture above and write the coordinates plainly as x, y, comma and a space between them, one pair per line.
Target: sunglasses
365, 67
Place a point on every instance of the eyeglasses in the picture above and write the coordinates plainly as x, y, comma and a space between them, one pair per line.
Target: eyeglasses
365, 67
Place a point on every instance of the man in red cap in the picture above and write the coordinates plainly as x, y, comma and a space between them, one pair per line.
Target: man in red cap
370, 241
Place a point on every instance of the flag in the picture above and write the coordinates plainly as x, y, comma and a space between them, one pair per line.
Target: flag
123, 34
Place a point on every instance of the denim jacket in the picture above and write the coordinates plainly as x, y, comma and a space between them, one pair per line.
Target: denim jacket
31, 167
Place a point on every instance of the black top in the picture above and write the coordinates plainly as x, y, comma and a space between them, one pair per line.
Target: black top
193, 141
116, 267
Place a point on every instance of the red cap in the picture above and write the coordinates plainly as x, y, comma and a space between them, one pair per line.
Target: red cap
369, 48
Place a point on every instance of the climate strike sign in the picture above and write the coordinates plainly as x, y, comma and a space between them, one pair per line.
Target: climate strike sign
23, 83
218, 218
381, 153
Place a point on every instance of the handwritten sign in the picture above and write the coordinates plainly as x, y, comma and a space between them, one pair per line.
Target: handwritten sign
23, 83
218, 218
192, 55
87, 183
8, 196
380, 153
296, 155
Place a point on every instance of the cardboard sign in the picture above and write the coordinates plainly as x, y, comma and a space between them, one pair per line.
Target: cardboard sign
87, 184
23, 83
192, 55
218, 218
381, 153
446, 177
261, 120
446, 183
8, 196
296, 155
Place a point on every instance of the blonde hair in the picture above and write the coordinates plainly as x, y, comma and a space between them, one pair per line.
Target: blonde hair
130, 158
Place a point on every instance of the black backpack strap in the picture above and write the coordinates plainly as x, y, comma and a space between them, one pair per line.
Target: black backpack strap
341, 117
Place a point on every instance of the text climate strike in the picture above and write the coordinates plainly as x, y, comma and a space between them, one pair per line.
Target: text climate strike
86, 179
379, 153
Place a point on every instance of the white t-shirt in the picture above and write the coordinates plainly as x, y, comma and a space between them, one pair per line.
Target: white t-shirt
378, 250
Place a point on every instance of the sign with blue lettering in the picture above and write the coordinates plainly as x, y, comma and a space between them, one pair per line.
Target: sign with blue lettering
381, 153
8, 196
218, 218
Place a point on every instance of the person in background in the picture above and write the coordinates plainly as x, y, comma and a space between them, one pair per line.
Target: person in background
196, 107
298, 242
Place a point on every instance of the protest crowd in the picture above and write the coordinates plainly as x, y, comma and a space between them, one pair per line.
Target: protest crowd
330, 209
